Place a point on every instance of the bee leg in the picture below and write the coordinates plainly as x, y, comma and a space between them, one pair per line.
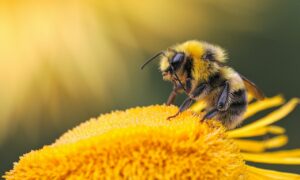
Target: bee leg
171, 98
199, 90
173, 94
178, 87
185, 105
210, 114
223, 101
188, 85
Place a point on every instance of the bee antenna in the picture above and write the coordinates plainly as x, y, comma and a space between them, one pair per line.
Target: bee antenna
152, 58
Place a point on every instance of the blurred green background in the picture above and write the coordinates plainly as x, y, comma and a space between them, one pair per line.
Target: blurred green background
63, 62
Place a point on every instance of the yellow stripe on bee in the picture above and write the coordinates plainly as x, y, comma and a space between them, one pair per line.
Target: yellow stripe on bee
200, 70
193, 48
198, 48
236, 83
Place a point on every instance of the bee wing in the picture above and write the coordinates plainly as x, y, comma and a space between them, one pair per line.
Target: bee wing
252, 88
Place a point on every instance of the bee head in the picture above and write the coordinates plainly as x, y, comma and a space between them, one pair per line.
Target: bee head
189, 60
171, 65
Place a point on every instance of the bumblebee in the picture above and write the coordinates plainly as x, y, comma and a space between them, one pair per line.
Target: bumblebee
199, 70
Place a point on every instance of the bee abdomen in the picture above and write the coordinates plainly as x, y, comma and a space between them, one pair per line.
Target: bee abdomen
233, 116
238, 98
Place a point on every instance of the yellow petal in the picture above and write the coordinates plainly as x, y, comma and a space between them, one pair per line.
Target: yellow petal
262, 105
275, 129
284, 153
255, 176
258, 173
270, 159
260, 146
269, 119
257, 132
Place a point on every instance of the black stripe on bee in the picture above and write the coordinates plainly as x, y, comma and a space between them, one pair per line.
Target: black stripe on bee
216, 80
188, 67
240, 92
239, 100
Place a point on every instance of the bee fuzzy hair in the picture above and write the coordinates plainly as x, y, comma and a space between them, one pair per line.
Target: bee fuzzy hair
218, 52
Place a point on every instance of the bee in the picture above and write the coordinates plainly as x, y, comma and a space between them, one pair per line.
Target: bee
199, 70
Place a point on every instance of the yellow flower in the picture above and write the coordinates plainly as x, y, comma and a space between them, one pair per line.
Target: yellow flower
140, 143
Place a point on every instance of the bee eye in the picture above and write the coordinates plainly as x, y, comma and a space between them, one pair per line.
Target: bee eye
179, 57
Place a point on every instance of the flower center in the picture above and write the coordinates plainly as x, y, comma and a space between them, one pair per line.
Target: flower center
138, 143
